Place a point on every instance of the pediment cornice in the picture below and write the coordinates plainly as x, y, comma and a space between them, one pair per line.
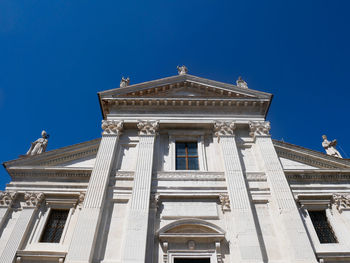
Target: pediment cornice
185, 90
309, 157
58, 156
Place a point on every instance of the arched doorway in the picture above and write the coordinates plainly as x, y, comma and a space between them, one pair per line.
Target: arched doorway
191, 241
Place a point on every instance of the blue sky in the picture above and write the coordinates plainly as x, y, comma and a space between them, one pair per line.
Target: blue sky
56, 55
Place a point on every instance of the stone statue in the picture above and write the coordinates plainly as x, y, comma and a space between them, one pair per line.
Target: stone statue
124, 82
241, 83
330, 147
182, 70
39, 146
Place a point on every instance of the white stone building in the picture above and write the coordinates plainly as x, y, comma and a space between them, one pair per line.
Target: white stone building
185, 171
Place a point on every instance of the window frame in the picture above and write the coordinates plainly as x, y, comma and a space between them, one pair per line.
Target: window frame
42, 219
187, 156
46, 225
319, 203
188, 136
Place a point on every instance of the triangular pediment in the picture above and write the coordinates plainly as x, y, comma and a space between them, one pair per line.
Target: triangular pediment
184, 86
185, 91
75, 157
295, 157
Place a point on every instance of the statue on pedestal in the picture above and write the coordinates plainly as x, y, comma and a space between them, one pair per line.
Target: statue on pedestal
241, 83
182, 70
124, 82
330, 147
39, 146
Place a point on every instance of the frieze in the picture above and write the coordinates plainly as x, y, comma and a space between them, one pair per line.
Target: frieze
324, 177
7, 198
256, 176
49, 173
190, 176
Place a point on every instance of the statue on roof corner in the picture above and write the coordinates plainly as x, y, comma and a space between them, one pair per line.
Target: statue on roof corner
39, 146
330, 147
182, 70
124, 82
241, 83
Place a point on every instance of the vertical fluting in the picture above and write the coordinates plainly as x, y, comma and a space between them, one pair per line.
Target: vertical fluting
299, 245
17, 235
84, 236
136, 233
241, 206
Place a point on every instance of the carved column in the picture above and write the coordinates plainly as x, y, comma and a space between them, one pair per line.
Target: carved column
6, 200
29, 208
241, 208
286, 211
84, 237
136, 232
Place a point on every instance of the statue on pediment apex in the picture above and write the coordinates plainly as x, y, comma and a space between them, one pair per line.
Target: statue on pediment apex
329, 146
241, 83
124, 82
182, 70
39, 146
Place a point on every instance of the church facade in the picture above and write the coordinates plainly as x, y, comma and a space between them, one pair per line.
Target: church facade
185, 171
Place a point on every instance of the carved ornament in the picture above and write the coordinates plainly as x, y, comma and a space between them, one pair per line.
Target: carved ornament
224, 128
241, 83
341, 202
7, 198
148, 127
112, 127
225, 202
259, 128
33, 199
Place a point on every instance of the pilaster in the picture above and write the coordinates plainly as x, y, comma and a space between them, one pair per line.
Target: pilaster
136, 232
84, 237
298, 243
29, 207
241, 208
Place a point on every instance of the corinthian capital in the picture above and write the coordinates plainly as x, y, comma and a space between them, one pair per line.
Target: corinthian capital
341, 202
7, 198
224, 128
112, 127
33, 199
259, 128
148, 127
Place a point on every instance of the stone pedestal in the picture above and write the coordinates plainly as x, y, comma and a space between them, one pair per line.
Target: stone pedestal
295, 234
18, 234
241, 208
83, 241
136, 232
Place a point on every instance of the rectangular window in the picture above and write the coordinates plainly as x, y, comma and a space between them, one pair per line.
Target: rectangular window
187, 156
54, 227
322, 227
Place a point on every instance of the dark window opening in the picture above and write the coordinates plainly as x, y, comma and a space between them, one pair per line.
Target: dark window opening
54, 227
186, 156
322, 227
192, 260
